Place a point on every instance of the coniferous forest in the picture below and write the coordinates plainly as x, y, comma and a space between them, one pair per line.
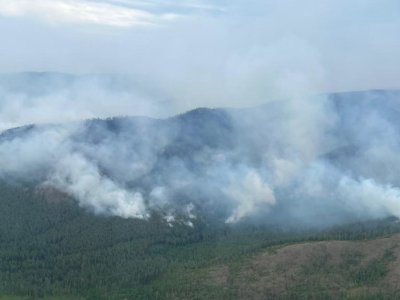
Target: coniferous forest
52, 248
199, 150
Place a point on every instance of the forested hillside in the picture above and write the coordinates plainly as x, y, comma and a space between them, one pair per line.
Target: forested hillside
209, 204
51, 247
199, 150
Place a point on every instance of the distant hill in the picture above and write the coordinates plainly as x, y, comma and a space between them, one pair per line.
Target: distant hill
199, 156
209, 204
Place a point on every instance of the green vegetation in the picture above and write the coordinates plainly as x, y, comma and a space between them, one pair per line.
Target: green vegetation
50, 248
374, 270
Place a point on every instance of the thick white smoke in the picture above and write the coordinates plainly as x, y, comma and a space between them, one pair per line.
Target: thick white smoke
317, 160
81, 179
248, 194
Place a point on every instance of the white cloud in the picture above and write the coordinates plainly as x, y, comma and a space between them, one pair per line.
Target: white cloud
167, 4
73, 11
233, 53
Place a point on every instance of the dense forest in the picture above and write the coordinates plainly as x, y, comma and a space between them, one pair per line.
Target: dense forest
50, 247
196, 206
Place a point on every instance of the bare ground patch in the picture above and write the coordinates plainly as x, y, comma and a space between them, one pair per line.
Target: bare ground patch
316, 270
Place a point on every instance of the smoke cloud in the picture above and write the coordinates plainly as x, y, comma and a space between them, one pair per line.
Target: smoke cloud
317, 160
296, 154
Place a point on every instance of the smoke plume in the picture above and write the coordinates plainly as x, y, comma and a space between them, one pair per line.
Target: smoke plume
314, 160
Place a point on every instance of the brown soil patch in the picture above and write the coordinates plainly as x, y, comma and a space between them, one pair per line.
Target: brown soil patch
326, 266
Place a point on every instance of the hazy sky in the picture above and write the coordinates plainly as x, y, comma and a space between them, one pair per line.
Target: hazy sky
354, 43
182, 54
209, 53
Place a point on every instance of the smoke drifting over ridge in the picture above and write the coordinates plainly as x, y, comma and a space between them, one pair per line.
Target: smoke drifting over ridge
35, 98
299, 158
317, 160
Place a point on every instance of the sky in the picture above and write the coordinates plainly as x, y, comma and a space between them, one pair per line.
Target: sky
163, 57
207, 53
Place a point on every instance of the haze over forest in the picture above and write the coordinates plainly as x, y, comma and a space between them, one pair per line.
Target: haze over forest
180, 55
145, 142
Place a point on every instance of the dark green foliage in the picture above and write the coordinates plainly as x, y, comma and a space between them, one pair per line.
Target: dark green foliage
375, 270
54, 248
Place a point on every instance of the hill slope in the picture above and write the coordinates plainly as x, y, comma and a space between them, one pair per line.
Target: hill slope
236, 164
210, 204
328, 270
51, 247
